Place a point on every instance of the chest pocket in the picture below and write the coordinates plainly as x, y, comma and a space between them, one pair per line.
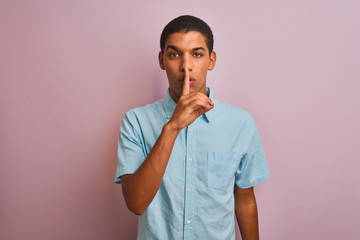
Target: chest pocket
222, 167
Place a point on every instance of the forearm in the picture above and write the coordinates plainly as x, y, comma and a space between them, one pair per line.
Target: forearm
247, 217
140, 188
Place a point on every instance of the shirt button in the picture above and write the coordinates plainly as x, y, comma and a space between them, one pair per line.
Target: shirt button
190, 130
188, 222
189, 190
190, 159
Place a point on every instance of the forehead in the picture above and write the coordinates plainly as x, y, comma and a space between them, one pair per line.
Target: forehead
186, 41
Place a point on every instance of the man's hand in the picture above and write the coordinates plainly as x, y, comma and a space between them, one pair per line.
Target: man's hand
190, 106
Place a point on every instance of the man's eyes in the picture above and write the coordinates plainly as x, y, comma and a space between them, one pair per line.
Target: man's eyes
174, 55
197, 55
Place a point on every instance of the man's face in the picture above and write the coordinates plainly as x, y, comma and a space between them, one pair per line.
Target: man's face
186, 51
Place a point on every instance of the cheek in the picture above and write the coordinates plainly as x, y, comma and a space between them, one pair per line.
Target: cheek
170, 74
170, 70
203, 64
203, 69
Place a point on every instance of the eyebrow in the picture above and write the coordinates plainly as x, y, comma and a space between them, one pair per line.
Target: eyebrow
172, 47
198, 48
176, 49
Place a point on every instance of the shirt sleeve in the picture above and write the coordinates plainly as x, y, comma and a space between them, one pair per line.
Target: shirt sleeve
253, 168
130, 154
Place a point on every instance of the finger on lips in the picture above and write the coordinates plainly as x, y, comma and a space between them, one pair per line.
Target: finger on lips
207, 103
186, 83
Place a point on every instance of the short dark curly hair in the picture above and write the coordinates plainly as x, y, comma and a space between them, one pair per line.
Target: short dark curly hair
187, 23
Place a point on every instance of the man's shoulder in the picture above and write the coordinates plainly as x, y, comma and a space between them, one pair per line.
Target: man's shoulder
147, 114
154, 107
231, 110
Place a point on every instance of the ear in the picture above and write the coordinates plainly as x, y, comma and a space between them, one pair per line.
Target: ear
212, 61
161, 61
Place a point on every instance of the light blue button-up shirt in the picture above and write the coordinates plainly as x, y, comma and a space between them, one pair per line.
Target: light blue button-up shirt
195, 200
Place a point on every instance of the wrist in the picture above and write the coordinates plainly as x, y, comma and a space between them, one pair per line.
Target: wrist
171, 128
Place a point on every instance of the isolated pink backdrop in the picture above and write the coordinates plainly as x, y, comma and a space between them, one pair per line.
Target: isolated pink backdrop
69, 71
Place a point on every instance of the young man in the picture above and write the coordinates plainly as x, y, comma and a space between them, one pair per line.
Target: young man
188, 162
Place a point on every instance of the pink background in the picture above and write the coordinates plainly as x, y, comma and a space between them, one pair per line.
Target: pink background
69, 71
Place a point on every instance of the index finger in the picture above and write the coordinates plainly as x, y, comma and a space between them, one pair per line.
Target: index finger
186, 83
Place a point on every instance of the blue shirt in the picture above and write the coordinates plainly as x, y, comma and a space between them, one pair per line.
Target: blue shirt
195, 200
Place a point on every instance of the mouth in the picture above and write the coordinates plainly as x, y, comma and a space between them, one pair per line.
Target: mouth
190, 81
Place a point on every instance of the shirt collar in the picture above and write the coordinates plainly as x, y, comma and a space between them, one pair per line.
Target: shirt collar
169, 105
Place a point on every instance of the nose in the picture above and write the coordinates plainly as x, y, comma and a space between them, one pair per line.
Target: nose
186, 63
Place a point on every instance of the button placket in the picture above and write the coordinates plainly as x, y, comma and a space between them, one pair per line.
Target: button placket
190, 176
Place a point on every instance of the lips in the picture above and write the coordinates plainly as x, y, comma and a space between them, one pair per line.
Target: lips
190, 81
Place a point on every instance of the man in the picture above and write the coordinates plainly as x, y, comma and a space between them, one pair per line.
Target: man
188, 162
